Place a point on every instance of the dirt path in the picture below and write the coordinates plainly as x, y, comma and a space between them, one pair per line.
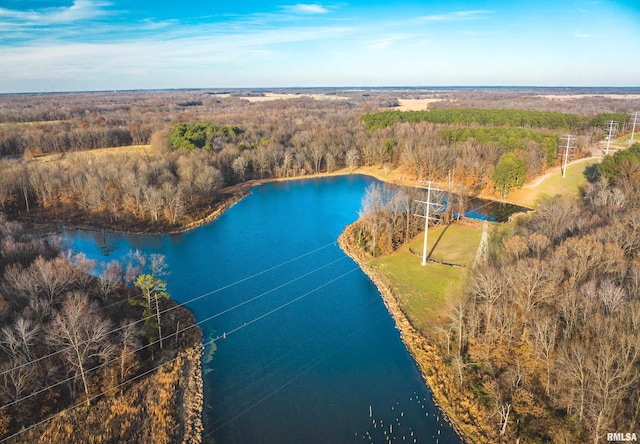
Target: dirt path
555, 170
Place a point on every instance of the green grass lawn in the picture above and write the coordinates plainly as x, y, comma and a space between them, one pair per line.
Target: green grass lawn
422, 291
576, 177
624, 140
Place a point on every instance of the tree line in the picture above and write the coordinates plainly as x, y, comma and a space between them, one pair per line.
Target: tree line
117, 189
492, 117
215, 142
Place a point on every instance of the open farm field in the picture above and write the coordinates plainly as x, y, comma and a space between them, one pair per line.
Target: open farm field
277, 96
415, 104
120, 150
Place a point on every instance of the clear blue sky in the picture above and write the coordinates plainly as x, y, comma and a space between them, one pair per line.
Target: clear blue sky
53, 45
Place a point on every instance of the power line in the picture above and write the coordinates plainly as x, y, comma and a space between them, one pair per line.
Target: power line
237, 282
246, 324
181, 304
314, 364
266, 374
202, 321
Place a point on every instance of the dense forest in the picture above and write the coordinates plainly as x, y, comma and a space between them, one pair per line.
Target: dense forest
494, 117
69, 339
544, 338
203, 143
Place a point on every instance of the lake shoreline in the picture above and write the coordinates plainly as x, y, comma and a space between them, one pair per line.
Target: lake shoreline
233, 194
421, 350
419, 347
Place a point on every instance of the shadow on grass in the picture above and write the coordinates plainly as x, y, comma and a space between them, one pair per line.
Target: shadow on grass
429, 259
438, 241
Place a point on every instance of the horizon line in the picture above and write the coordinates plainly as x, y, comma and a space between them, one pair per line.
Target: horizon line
344, 88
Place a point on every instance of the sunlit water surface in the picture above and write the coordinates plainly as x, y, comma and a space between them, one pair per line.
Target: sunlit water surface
310, 353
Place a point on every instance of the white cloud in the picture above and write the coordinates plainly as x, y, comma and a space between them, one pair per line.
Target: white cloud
305, 8
153, 56
385, 42
456, 16
80, 10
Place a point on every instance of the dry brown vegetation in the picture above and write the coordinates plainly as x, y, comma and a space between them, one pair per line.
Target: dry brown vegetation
542, 345
169, 189
70, 340
164, 407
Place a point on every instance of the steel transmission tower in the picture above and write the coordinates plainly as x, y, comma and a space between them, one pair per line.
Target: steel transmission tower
431, 208
633, 131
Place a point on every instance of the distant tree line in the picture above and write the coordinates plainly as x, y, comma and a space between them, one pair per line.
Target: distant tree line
229, 141
45, 138
491, 117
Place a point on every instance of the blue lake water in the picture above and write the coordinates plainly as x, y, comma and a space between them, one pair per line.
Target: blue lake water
310, 353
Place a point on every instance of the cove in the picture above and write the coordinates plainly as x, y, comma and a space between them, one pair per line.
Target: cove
310, 353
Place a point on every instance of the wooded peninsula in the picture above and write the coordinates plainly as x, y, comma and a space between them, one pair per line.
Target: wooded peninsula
532, 337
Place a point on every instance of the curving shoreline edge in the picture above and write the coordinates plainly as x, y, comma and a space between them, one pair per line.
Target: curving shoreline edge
419, 347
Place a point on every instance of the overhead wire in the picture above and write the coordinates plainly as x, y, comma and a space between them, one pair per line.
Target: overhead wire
202, 321
275, 267
246, 324
306, 370
266, 374
177, 305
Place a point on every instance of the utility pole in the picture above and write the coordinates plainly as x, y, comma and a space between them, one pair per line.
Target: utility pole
567, 147
633, 131
483, 248
612, 126
437, 208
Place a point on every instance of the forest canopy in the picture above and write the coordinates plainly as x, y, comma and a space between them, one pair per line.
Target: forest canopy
200, 135
510, 139
624, 163
495, 117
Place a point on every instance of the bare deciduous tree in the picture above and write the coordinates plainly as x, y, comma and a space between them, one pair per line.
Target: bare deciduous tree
81, 335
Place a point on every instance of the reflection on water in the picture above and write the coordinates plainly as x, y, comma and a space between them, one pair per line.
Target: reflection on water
306, 350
